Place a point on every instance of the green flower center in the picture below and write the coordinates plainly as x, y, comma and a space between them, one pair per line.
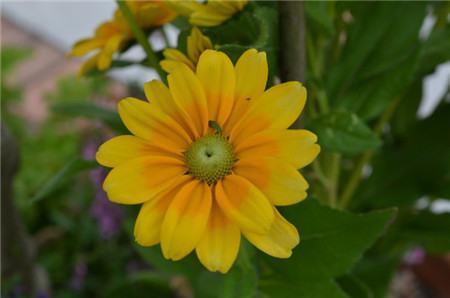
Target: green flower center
210, 158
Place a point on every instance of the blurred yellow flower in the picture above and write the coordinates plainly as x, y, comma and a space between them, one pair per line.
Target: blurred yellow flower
112, 36
210, 157
211, 13
197, 43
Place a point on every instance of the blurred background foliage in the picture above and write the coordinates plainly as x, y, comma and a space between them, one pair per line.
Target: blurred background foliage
372, 188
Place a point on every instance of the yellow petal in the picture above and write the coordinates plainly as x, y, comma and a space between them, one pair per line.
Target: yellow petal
170, 65
152, 124
243, 203
147, 229
251, 74
219, 245
297, 147
215, 72
197, 43
140, 179
279, 181
107, 52
206, 17
89, 64
185, 220
174, 55
225, 7
279, 241
188, 93
185, 7
158, 94
251, 77
84, 46
123, 148
278, 107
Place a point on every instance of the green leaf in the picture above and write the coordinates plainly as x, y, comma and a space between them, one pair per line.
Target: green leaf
63, 177
91, 111
332, 241
239, 282
412, 167
435, 50
378, 39
188, 266
406, 113
380, 59
343, 132
143, 282
261, 33
311, 289
354, 287
376, 272
423, 229
320, 15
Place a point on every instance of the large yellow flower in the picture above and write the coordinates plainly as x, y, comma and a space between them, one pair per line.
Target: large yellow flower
113, 35
197, 43
210, 158
211, 13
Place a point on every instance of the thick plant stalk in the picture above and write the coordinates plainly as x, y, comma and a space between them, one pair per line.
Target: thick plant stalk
17, 248
292, 39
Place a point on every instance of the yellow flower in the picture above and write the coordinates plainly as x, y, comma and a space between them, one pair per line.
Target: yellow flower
197, 43
210, 157
211, 13
112, 36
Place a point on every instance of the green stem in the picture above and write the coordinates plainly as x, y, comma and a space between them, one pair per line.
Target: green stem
322, 100
334, 172
319, 173
165, 37
355, 176
140, 36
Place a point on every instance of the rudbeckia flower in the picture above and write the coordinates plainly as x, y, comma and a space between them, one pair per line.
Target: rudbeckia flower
114, 35
211, 13
210, 158
197, 43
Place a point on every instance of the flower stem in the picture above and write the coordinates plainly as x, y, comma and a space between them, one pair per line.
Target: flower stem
334, 172
355, 176
140, 36
292, 37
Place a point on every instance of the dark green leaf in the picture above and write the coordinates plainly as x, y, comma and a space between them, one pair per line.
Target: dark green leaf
423, 229
261, 33
144, 282
412, 167
380, 37
376, 273
188, 266
343, 132
380, 59
320, 15
354, 287
435, 50
297, 289
331, 240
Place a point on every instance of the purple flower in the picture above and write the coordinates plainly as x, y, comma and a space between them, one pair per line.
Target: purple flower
78, 276
414, 256
108, 215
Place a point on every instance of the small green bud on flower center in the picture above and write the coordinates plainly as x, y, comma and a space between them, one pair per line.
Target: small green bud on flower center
210, 158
